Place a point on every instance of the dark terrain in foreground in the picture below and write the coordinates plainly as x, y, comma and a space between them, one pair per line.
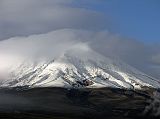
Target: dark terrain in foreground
59, 103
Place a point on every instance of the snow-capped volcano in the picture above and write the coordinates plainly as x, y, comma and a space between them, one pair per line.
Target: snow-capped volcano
56, 59
78, 67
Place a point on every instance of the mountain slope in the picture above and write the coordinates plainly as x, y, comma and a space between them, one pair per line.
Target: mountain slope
78, 67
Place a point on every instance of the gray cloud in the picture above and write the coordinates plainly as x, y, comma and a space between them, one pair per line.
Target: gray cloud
156, 59
144, 57
34, 16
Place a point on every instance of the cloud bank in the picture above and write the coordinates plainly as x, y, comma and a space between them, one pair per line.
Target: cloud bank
21, 20
26, 17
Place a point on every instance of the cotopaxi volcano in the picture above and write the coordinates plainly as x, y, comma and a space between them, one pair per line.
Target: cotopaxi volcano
78, 66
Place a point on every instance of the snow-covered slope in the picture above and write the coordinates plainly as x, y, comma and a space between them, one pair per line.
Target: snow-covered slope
78, 67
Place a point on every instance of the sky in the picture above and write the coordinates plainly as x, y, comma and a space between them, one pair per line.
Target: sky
128, 30
138, 19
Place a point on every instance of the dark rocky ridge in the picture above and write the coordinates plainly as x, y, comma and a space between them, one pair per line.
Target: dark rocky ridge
59, 103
